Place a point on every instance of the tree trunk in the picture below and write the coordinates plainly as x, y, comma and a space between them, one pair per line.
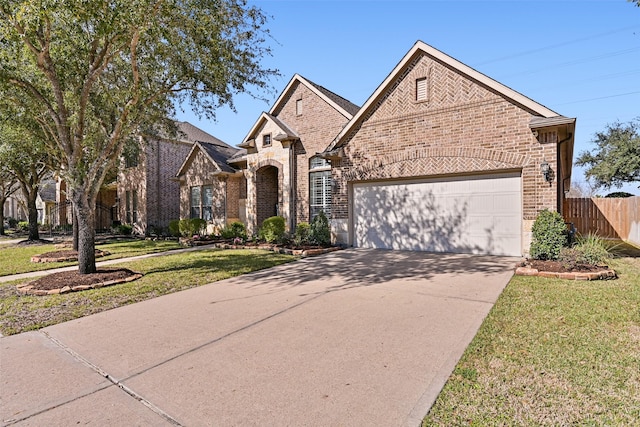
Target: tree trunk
2, 202
34, 234
74, 228
85, 217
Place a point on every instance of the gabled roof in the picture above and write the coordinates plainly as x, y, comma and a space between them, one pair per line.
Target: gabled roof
193, 134
343, 106
240, 156
422, 48
217, 154
285, 131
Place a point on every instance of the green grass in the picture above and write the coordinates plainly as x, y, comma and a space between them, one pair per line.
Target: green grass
162, 275
552, 352
16, 259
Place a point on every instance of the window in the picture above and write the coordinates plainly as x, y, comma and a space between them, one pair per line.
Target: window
195, 202
207, 203
202, 202
266, 140
421, 89
298, 107
131, 207
319, 187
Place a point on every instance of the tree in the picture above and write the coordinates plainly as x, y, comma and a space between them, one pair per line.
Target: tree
616, 158
103, 71
24, 156
8, 186
581, 190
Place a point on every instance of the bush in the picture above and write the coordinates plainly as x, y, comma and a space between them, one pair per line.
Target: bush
616, 194
174, 228
23, 225
320, 233
272, 230
593, 249
302, 234
234, 230
549, 236
192, 226
12, 222
124, 229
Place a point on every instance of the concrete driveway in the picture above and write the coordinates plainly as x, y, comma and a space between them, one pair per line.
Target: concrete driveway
351, 338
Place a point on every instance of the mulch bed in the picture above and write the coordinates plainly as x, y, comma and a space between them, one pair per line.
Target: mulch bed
556, 270
557, 267
63, 255
72, 281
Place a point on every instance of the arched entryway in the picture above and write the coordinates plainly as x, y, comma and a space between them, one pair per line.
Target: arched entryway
267, 193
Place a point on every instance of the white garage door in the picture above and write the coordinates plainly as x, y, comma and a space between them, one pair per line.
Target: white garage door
471, 214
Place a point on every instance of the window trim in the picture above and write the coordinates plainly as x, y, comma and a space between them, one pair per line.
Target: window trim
266, 137
323, 173
193, 206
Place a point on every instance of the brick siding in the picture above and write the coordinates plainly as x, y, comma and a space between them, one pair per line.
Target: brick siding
158, 195
462, 127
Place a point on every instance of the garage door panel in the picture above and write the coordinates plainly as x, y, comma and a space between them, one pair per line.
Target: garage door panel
464, 214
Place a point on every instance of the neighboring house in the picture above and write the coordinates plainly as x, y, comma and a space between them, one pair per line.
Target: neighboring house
148, 194
46, 201
60, 215
443, 158
284, 174
14, 207
210, 188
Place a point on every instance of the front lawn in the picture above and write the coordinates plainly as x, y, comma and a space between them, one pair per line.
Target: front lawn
162, 275
552, 352
16, 259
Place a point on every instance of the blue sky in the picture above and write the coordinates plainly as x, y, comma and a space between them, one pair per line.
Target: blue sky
579, 58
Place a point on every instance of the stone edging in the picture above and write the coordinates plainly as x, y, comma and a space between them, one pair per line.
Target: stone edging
608, 274
38, 258
296, 252
27, 288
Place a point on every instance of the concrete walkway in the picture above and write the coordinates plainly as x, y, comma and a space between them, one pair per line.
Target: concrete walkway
351, 338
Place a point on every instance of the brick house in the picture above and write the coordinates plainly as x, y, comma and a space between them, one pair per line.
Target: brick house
440, 158
148, 194
209, 187
443, 158
284, 174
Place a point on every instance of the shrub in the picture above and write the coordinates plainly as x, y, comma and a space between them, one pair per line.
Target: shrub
13, 223
272, 230
302, 234
192, 226
124, 229
549, 236
234, 230
320, 232
174, 228
593, 249
23, 225
616, 194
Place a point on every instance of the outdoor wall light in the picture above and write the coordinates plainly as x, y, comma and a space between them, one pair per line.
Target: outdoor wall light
546, 171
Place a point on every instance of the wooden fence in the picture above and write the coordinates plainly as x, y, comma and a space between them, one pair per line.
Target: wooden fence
614, 218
